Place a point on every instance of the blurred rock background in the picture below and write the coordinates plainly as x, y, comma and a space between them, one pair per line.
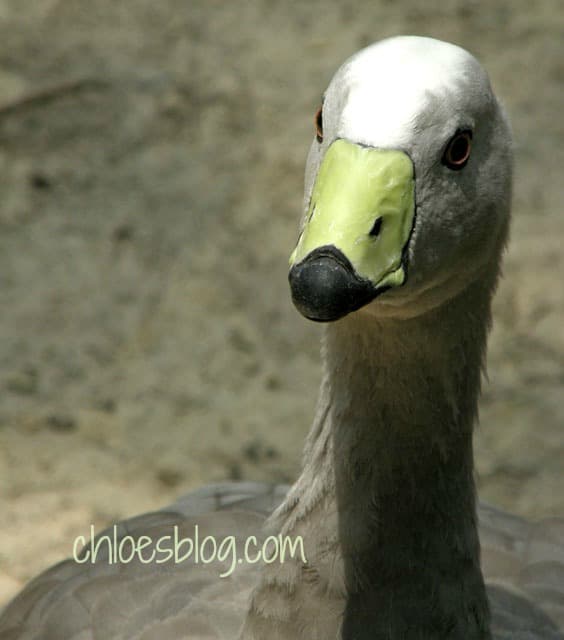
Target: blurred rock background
151, 159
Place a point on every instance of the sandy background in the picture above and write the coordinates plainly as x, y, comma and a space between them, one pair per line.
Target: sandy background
151, 158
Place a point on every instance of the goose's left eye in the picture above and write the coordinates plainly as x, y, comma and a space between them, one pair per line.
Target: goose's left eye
318, 120
458, 150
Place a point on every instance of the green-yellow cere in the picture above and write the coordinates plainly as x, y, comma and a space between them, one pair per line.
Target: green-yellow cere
356, 185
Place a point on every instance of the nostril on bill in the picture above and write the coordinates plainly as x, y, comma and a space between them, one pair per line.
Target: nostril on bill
376, 228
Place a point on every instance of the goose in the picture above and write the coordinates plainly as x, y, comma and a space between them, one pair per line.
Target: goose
406, 215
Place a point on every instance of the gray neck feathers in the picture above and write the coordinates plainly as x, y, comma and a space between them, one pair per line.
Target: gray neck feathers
386, 501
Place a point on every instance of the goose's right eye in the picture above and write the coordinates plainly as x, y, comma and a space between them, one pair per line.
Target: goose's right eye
318, 120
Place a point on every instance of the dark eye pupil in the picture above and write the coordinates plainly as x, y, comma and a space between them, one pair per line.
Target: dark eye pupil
459, 149
319, 125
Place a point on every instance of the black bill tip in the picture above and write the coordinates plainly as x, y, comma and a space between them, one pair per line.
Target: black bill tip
325, 286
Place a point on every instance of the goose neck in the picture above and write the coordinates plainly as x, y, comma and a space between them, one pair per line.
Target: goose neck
402, 400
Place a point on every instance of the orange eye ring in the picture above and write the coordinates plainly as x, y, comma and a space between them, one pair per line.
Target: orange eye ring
318, 121
458, 150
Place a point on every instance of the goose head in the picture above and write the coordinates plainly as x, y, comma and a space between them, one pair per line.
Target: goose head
407, 186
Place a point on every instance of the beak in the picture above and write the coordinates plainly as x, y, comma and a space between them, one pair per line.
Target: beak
353, 241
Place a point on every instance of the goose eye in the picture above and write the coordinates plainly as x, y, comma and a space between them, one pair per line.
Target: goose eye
458, 150
318, 120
